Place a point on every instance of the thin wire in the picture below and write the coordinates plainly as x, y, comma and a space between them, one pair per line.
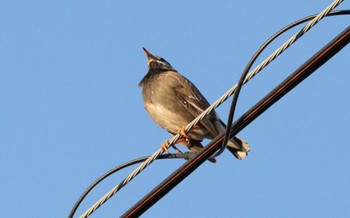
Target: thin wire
297, 77
250, 63
186, 156
201, 116
244, 78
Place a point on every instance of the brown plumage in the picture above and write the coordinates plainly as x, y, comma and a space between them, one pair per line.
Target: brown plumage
172, 101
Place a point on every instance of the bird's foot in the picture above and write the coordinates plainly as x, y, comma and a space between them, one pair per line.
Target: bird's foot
184, 135
164, 147
195, 127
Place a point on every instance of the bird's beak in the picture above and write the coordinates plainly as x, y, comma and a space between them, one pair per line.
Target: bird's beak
148, 54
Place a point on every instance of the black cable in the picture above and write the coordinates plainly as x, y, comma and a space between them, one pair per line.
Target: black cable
294, 79
186, 156
251, 62
189, 155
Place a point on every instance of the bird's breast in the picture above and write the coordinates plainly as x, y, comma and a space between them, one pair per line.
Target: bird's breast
165, 108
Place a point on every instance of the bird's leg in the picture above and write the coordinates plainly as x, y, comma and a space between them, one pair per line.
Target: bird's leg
184, 138
195, 127
163, 146
183, 133
176, 149
173, 146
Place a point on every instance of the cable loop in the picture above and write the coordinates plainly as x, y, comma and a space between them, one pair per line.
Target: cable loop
210, 109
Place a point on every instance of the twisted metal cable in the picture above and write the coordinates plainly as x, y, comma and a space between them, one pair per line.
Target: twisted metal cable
172, 141
295, 37
244, 78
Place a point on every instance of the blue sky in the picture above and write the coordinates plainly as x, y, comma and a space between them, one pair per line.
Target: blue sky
71, 109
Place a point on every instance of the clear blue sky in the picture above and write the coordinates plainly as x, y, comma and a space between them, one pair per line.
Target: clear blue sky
71, 109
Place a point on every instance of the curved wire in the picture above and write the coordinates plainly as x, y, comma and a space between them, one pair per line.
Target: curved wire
251, 62
186, 156
172, 141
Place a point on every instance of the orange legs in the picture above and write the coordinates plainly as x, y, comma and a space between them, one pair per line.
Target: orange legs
184, 135
184, 138
166, 149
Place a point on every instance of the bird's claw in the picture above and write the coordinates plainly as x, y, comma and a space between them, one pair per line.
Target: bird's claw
183, 133
165, 148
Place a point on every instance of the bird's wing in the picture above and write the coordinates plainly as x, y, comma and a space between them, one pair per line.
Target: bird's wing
195, 103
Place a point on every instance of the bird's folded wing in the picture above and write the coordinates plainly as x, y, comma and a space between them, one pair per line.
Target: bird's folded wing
196, 103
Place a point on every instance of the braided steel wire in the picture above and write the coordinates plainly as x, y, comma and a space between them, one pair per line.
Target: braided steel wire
217, 103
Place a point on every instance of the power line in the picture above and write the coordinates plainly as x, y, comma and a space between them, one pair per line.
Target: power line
283, 88
245, 76
189, 155
208, 110
186, 156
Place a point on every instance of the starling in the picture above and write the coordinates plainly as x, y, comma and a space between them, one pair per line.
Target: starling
173, 101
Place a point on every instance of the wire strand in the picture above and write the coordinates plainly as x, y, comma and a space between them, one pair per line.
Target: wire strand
186, 156
286, 45
146, 163
189, 155
292, 81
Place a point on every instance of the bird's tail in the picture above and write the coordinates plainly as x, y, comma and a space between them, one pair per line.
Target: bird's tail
238, 147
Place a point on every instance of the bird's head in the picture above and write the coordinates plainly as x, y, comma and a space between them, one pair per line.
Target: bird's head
157, 64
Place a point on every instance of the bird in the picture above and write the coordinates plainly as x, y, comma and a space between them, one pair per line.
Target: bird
173, 101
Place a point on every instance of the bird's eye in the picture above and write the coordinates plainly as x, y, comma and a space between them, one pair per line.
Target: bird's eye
153, 64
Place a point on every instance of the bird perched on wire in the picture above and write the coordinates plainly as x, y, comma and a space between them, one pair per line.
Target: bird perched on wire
173, 101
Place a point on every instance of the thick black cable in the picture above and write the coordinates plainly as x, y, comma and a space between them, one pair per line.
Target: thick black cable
251, 62
293, 80
186, 156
